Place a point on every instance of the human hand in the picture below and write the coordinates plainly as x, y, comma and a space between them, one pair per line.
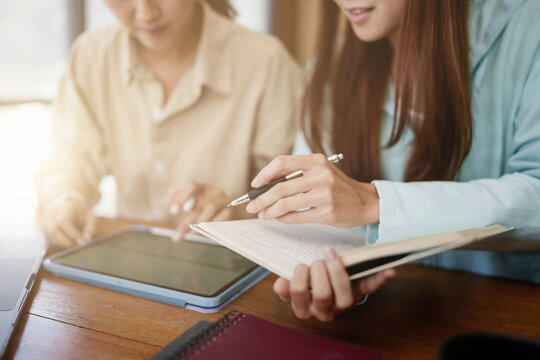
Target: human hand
332, 197
68, 223
331, 290
210, 205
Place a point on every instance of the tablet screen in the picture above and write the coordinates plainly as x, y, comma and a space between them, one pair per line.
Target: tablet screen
188, 266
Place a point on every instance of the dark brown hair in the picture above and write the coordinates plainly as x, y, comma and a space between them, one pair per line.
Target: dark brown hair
430, 70
222, 7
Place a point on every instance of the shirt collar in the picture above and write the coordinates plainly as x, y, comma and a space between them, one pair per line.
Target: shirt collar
487, 20
132, 68
213, 67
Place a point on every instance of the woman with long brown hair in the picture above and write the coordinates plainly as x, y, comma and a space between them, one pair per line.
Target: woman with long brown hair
436, 108
168, 101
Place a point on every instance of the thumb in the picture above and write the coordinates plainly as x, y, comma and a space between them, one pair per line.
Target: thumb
90, 226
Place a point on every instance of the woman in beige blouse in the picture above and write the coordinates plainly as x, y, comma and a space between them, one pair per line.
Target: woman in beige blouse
177, 102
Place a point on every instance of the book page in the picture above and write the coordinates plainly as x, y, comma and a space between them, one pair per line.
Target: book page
280, 247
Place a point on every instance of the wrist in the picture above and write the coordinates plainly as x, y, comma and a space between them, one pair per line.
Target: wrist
374, 204
370, 204
64, 197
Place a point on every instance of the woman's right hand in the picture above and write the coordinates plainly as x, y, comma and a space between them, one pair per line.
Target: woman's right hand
329, 195
68, 223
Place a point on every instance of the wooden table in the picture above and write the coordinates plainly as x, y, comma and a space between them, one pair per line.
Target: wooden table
408, 318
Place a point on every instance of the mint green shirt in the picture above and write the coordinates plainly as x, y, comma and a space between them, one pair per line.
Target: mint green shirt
499, 181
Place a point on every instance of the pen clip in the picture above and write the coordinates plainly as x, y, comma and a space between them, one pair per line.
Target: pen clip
294, 175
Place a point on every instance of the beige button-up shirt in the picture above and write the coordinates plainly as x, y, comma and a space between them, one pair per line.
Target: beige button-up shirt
228, 116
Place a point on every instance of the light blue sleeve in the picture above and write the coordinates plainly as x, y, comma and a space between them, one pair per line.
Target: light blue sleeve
422, 208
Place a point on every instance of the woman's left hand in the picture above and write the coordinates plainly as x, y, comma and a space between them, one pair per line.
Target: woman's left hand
210, 205
324, 289
332, 197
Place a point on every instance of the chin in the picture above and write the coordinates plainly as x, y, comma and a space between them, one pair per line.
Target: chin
366, 36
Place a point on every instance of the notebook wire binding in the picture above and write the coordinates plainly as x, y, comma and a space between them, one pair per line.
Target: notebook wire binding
200, 341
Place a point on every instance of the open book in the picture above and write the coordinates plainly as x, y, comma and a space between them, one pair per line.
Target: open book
280, 247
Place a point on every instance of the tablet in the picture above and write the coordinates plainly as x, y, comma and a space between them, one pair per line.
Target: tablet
139, 260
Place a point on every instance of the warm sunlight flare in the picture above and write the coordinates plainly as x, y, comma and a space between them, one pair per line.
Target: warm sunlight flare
24, 139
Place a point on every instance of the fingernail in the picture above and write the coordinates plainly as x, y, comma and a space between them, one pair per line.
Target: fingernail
174, 209
176, 236
80, 241
251, 208
255, 183
87, 236
391, 273
329, 254
261, 215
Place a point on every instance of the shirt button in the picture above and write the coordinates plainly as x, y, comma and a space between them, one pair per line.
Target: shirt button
157, 114
158, 166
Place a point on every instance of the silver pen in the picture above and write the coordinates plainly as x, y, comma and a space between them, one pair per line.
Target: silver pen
252, 194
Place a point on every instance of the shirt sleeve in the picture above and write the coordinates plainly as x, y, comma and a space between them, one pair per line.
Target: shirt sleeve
77, 160
423, 208
278, 110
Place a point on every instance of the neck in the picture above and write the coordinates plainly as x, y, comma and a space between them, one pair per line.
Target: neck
184, 47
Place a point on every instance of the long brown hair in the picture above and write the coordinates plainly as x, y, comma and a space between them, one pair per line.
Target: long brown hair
430, 69
222, 7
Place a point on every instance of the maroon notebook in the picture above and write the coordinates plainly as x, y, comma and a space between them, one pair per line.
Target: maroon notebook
243, 336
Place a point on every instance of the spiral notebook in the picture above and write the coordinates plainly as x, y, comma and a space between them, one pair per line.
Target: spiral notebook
243, 336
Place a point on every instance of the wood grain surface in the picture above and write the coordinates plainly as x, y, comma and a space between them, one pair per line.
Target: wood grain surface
408, 318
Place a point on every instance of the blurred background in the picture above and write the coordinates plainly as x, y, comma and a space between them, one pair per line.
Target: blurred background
36, 37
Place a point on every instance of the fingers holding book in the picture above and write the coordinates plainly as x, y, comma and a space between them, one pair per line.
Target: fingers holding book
323, 294
324, 289
371, 283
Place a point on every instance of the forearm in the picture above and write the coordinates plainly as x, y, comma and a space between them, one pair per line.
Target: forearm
422, 208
